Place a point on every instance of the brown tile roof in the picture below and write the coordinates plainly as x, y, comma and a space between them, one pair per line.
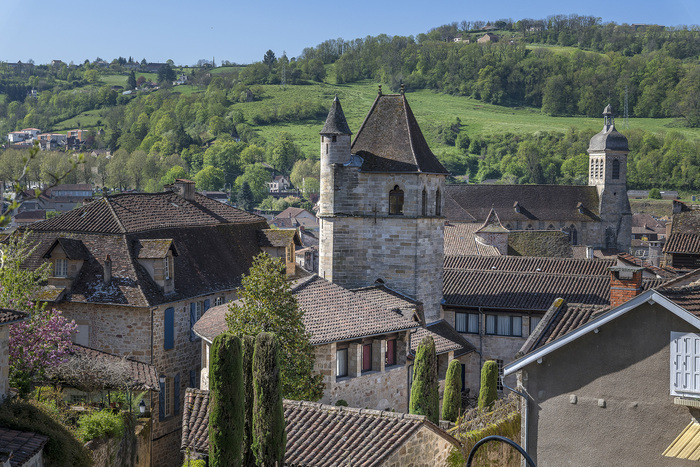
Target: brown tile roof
8, 316
23, 444
153, 249
560, 319
446, 338
318, 434
530, 264
74, 249
687, 296
686, 222
683, 243
665, 272
390, 139
331, 313
459, 240
278, 237
534, 201
390, 299
292, 212
141, 212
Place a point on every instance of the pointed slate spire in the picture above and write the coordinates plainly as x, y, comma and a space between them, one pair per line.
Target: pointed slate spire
492, 223
335, 122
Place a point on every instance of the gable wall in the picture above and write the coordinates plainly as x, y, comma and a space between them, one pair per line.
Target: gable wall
626, 365
425, 447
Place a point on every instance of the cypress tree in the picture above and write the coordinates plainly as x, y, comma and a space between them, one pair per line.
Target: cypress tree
226, 401
248, 351
269, 434
425, 398
488, 392
452, 398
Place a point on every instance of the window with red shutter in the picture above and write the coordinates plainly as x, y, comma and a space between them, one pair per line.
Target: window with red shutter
366, 357
390, 352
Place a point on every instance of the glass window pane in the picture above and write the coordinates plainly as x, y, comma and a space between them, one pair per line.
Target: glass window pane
473, 323
503, 327
461, 322
490, 324
517, 326
341, 362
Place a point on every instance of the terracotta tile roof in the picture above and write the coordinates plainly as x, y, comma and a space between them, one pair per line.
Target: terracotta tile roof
153, 249
665, 272
318, 434
8, 316
534, 201
331, 313
560, 319
292, 212
23, 444
687, 296
459, 240
683, 243
390, 139
278, 237
390, 299
140, 212
446, 338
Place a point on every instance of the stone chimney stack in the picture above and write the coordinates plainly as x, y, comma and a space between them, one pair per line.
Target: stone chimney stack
108, 270
184, 188
625, 284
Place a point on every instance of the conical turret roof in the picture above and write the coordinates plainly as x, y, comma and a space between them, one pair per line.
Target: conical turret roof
390, 139
335, 122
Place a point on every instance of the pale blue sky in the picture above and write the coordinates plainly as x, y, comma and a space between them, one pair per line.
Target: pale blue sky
185, 31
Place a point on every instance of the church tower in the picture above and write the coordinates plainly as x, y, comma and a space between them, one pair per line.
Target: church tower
607, 171
381, 204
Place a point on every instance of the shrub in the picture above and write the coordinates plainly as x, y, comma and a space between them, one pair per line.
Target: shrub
194, 463
452, 398
341, 403
488, 393
654, 193
104, 423
62, 449
425, 398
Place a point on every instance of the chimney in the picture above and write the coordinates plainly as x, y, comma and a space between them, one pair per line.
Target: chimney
625, 284
184, 188
108, 270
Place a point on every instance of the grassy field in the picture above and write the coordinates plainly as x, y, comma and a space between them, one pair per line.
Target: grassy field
83, 120
120, 80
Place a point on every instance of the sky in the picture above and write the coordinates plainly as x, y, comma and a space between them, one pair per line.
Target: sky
186, 31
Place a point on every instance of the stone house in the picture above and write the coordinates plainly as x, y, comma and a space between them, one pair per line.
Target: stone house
321, 435
280, 243
610, 376
295, 218
136, 271
362, 342
597, 215
486, 38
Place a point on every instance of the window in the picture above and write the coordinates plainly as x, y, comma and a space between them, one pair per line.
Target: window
573, 235
169, 329
61, 268
390, 352
333, 139
534, 321
166, 267
341, 363
438, 209
82, 337
467, 322
425, 203
366, 357
616, 169
218, 301
499, 384
685, 364
396, 201
504, 325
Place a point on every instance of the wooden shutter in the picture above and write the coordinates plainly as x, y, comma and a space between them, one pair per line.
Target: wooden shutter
366, 357
685, 364
161, 402
390, 352
206, 305
176, 394
169, 329
193, 319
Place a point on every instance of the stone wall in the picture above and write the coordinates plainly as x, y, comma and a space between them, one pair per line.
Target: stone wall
132, 449
425, 447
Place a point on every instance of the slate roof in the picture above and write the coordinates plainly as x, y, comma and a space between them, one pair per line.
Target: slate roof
542, 243
74, 249
390, 139
535, 202
331, 314
687, 221
335, 121
278, 237
446, 339
459, 240
153, 249
23, 444
492, 224
608, 138
11, 316
215, 244
318, 434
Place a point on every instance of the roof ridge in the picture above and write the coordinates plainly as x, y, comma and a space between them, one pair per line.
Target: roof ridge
407, 109
354, 410
114, 213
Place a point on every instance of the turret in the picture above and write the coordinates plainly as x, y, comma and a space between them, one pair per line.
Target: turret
335, 149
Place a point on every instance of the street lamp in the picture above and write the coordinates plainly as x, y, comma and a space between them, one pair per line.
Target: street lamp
142, 407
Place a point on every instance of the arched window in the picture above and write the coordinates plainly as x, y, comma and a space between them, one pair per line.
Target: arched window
425, 203
573, 235
616, 169
438, 209
396, 201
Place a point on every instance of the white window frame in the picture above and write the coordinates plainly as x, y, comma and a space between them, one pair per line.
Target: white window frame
61, 268
166, 267
685, 364
218, 301
345, 354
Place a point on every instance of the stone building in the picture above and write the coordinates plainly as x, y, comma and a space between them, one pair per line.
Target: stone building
136, 271
381, 204
597, 215
319, 435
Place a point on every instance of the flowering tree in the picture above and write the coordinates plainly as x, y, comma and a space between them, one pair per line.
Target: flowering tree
43, 340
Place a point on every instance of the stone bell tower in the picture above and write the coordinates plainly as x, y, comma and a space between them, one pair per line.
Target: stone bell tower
381, 204
607, 171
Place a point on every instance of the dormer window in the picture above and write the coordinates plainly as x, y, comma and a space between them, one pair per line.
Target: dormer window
61, 268
396, 201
